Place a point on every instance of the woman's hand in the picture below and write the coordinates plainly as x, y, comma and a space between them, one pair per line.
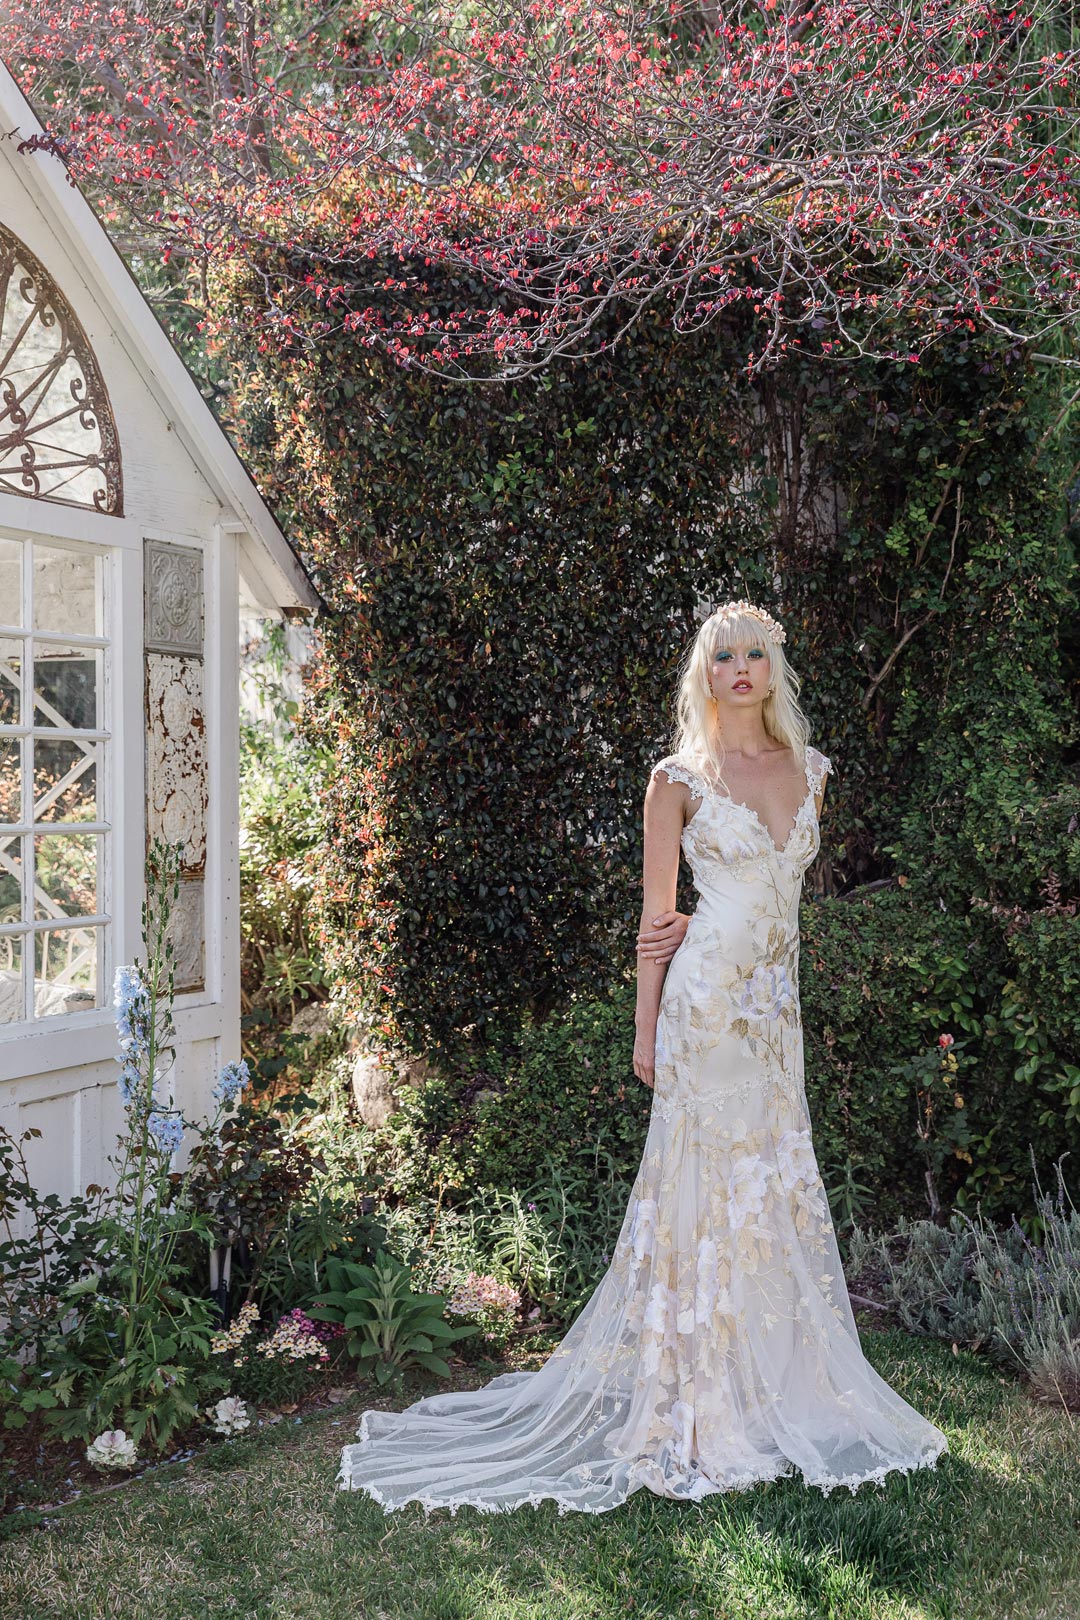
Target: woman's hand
660, 942
645, 1058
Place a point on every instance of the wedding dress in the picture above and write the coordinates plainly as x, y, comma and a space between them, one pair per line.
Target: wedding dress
719, 1349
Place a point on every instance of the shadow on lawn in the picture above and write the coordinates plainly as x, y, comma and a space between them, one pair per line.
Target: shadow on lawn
783, 1542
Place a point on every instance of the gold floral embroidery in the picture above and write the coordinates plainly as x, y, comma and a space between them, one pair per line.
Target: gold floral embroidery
721, 1337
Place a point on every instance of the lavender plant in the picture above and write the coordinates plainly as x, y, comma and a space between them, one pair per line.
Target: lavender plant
991, 1289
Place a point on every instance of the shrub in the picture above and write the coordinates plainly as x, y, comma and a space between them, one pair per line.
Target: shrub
989, 1289
388, 1328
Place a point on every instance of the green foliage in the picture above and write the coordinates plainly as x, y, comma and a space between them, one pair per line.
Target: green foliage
152, 1386
48, 1247
513, 571
990, 1289
281, 966
882, 978
562, 1090
389, 1328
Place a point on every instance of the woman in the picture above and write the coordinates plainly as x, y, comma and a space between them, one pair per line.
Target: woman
719, 1349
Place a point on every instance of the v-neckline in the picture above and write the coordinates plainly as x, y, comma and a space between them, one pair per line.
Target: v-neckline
726, 798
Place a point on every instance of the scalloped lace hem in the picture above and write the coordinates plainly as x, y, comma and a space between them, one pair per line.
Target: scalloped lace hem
826, 1483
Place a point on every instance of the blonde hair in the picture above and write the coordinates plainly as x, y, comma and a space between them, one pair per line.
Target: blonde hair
696, 723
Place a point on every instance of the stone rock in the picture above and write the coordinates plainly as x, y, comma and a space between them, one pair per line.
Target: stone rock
312, 1019
377, 1082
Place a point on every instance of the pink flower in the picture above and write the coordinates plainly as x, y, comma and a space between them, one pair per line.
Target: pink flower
944, 1040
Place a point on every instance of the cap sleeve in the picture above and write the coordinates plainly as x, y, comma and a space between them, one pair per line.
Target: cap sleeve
672, 769
820, 767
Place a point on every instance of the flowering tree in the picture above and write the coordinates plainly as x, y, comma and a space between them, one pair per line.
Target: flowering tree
877, 175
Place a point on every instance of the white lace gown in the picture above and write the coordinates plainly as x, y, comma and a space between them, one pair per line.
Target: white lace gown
719, 1349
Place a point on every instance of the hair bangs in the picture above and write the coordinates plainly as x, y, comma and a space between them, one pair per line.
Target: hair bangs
741, 630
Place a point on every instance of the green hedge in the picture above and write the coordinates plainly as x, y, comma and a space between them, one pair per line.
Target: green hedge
880, 980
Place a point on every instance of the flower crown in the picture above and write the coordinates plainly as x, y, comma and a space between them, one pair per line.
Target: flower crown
735, 610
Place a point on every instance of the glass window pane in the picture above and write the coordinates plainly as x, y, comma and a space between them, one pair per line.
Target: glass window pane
65, 971
11, 980
11, 583
10, 780
11, 657
66, 594
65, 780
66, 875
67, 687
11, 880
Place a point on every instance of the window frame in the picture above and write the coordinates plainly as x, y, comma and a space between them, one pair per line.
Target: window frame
56, 1052
27, 830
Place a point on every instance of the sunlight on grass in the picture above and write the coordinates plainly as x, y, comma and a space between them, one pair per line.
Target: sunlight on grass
258, 1529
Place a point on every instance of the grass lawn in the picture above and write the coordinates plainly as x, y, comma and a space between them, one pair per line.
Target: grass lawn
256, 1528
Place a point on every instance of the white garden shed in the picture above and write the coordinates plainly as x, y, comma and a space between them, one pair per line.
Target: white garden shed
131, 539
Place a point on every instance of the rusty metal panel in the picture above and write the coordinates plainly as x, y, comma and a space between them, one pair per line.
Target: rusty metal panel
177, 778
59, 441
176, 766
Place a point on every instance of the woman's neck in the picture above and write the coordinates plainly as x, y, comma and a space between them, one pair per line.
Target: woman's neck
743, 734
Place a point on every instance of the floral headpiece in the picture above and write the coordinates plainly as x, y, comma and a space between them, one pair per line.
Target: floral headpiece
735, 610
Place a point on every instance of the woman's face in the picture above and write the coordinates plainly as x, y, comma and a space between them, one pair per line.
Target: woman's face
740, 675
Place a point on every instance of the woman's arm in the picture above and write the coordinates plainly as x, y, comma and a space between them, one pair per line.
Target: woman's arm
664, 805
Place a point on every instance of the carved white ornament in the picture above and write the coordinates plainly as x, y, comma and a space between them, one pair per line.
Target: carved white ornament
186, 930
174, 597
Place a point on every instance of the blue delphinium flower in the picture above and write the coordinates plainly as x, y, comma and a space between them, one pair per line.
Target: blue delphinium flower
168, 1130
132, 1005
234, 1077
130, 1081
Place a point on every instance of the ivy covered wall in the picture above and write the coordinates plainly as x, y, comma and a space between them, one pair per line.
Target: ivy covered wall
513, 571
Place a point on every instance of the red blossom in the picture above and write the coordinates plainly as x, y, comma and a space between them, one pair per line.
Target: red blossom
592, 155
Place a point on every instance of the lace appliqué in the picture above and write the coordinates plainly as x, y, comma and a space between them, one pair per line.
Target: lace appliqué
675, 772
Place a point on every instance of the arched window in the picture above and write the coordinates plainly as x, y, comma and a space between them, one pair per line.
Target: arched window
57, 435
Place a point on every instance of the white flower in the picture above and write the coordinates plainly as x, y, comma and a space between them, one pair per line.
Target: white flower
112, 1449
651, 1357
699, 984
795, 1159
767, 992
705, 1297
746, 1193
229, 1416
661, 1308
643, 1227
682, 1427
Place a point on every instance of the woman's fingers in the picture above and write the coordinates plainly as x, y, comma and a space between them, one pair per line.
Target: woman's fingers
659, 943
